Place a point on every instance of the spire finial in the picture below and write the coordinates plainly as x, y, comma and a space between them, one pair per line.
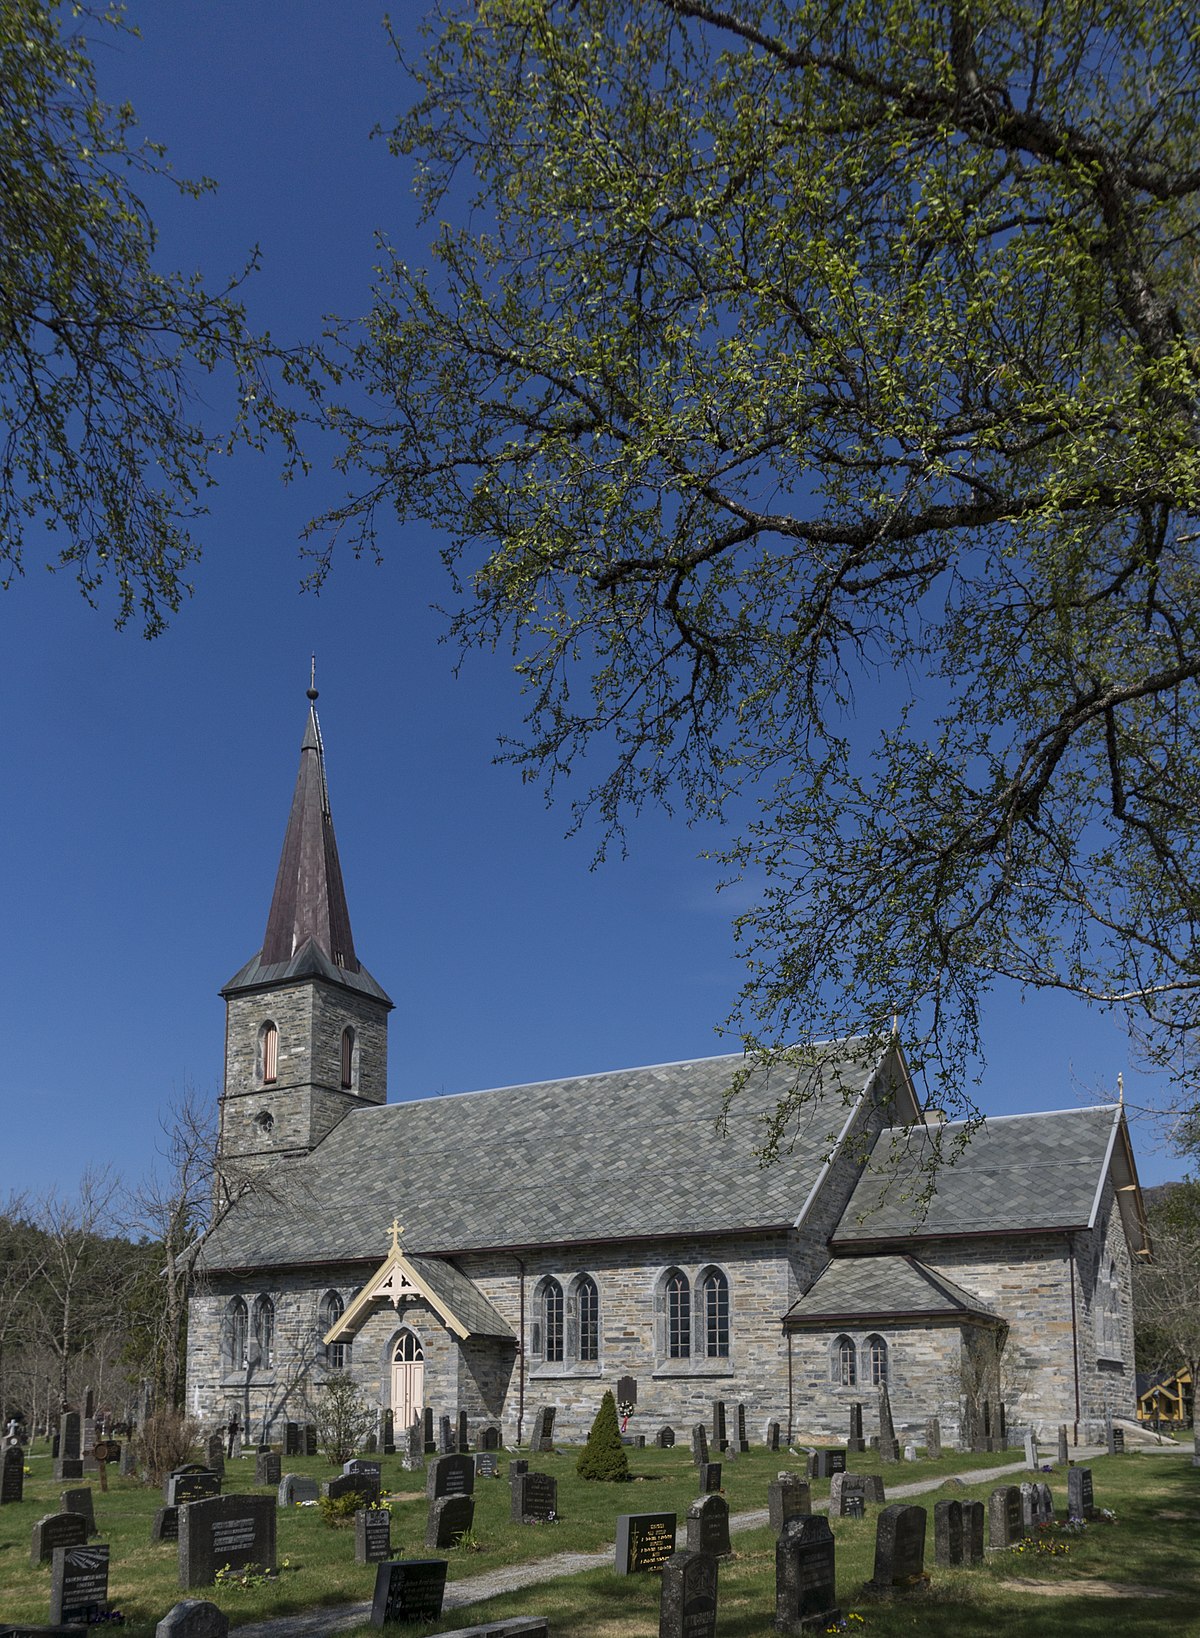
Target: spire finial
1120, 1087
397, 1231
312, 680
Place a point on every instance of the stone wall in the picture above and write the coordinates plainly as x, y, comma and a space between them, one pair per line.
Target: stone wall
924, 1368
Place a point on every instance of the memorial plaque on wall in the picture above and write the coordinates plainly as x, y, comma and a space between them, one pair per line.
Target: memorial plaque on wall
645, 1541
408, 1589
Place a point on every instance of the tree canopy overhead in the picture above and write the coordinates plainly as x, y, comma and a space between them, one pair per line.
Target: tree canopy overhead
809, 393
102, 448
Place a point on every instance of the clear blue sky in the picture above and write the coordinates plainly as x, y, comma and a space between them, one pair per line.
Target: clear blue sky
148, 783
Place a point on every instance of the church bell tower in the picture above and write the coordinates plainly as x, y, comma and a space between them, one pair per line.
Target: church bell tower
305, 1023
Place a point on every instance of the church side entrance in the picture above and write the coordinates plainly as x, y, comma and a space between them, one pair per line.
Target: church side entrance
408, 1379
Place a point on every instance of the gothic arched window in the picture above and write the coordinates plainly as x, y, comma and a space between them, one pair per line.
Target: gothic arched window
877, 1361
714, 1303
347, 1058
588, 1297
337, 1354
268, 1054
552, 1320
679, 1315
236, 1334
843, 1362
264, 1330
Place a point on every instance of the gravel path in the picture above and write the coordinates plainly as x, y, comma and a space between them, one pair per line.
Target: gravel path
473, 1589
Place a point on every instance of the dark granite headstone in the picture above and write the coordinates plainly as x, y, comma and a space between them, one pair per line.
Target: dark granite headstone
1063, 1453
1080, 1503
166, 1525
1043, 1505
372, 1535
933, 1439
856, 1442
360, 1469
446, 1444
534, 1498
427, 1431
387, 1441
718, 1425
487, 1464
1004, 1517
408, 1589
79, 1500
193, 1618
805, 1580
788, 1497
295, 1488
215, 1461
1000, 1425
12, 1475
973, 1516
829, 1462
291, 1438
191, 1484
68, 1463
517, 1465
665, 1438
645, 1541
56, 1530
743, 1443
234, 1530
362, 1485
543, 1429
772, 1436
710, 1477
489, 1437
889, 1446
899, 1550
310, 1439
450, 1476
449, 1518
688, 1602
79, 1584
948, 1545
708, 1526
268, 1468
699, 1444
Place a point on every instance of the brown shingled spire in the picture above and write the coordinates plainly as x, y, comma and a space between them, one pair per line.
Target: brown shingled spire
309, 900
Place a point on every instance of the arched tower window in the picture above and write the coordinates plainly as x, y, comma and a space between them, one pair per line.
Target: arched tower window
679, 1315
843, 1362
552, 1320
714, 1303
264, 1330
268, 1054
877, 1361
337, 1354
588, 1298
347, 1058
237, 1331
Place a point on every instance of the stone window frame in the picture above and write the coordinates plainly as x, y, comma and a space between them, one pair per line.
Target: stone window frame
713, 1312
349, 1053
336, 1355
267, 1061
875, 1354
235, 1335
696, 1362
583, 1320
263, 1330
548, 1331
843, 1361
1106, 1310
569, 1361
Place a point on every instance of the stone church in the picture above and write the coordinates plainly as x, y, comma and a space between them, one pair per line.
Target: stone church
494, 1251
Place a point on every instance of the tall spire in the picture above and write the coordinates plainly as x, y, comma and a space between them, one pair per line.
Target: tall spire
309, 901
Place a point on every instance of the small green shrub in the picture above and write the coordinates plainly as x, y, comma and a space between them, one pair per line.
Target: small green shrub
340, 1510
603, 1457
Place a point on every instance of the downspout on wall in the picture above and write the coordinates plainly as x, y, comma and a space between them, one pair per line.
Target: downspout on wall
1074, 1332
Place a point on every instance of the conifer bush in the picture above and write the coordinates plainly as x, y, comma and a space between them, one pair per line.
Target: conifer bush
603, 1457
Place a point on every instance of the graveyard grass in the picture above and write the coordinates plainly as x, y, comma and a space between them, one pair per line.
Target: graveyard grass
1146, 1548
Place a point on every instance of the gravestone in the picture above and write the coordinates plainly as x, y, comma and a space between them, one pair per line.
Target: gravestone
166, 1525
371, 1444
360, 1469
973, 1514
68, 1463
889, 1447
534, 1498
446, 1444
427, 1434
517, 1465
828, 1462
449, 1518
645, 1541
771, 1436
710, 1477
1043, 1505
730, 1452
933, 1439
718, 1425
1116, 1441
193, 1618
79, 1501
234, 1530
128, 1464
353, 1484
12, 1476
743, 1443
1000, 1422
487, 1464
899, 1551
191, 1483
268, 1468
1027, 1507
856, 1444
295, 1488
414, 1448
665, 1438
699, 1444
805, 1579
910, 1453
489, 1437
388, 1440
873, 1489
310, 1439
688, 1601
1031, 1451
79, 1584
291, 1438
56, 1530
372, 1535
708, 1526
1063, 1455
983, 1435
464, 1442
1080, 1504
1004, 1517
788, 1497
847, 1496
450, 1476
948, 1545
408, 1589
215, 1455
543, 1429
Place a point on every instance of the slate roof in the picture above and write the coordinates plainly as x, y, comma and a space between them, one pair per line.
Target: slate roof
463, 1297
628, 1154
1017, 1173
870, 1290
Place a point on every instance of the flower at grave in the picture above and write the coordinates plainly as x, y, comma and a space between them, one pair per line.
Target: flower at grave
625, 1410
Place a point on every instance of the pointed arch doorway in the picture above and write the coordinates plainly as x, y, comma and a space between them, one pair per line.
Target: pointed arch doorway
408, 1379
